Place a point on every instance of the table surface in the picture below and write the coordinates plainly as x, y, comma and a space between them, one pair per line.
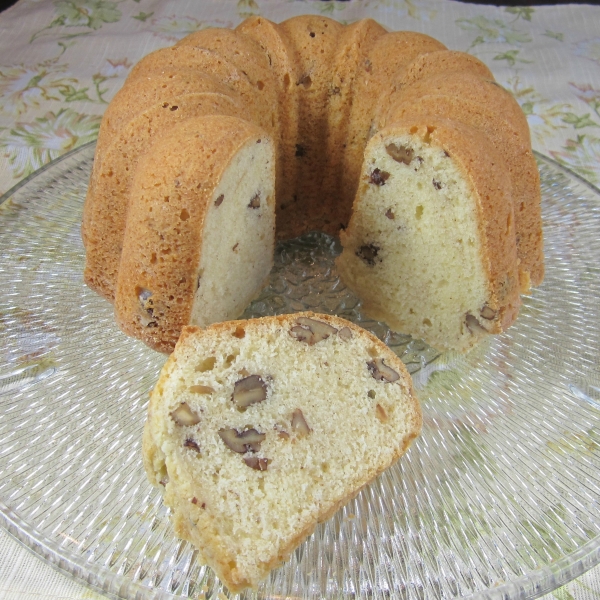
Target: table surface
61, 61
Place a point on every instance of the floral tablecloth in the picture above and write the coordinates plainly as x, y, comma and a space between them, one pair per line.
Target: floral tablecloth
61, 61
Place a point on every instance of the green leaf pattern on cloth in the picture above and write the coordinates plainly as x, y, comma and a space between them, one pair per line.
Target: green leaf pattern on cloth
581, 155
27, 86
589, 49
247, 8
544, 118
563, 594
523, 12
493, 31
172, 28
143, 16
557, 35
90, 14
86, 13
511, 57
402, 8
46, 138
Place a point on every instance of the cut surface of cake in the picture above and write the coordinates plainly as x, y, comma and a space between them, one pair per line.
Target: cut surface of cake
259, 430
425, 249
320, 92
205, 250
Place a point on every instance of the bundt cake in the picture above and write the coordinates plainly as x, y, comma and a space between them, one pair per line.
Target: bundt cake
258, 430
412, 153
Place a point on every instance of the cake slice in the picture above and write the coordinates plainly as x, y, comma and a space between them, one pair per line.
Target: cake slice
260, 429
513, 147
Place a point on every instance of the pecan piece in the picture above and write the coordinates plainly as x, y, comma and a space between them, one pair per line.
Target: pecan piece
299, 424
248, 391
183, 415
399, 153
381, 372
488, 313
144, 296
190, 443
281, 432
247, 441
147, 308
259, 464
311, 331
378, 177
255, 201
345, 333
473, 325
368, 253
381, 414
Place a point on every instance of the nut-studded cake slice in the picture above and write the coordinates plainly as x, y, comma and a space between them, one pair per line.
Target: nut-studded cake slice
258, 430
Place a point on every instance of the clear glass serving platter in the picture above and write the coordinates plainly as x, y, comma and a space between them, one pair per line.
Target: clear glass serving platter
499, 497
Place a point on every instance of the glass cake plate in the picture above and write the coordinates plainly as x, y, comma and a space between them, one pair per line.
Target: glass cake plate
498, 498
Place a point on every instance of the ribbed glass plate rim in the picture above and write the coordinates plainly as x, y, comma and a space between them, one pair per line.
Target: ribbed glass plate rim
113, 585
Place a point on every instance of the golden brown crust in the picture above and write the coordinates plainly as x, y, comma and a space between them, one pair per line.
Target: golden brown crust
470, 86
282, 60
490, 186
437, 63
213, 64
479, 96
354, 45
422, 67
251, 62
109, 191
157, 86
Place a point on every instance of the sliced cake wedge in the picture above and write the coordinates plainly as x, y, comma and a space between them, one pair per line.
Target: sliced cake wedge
260, 429
431, 246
